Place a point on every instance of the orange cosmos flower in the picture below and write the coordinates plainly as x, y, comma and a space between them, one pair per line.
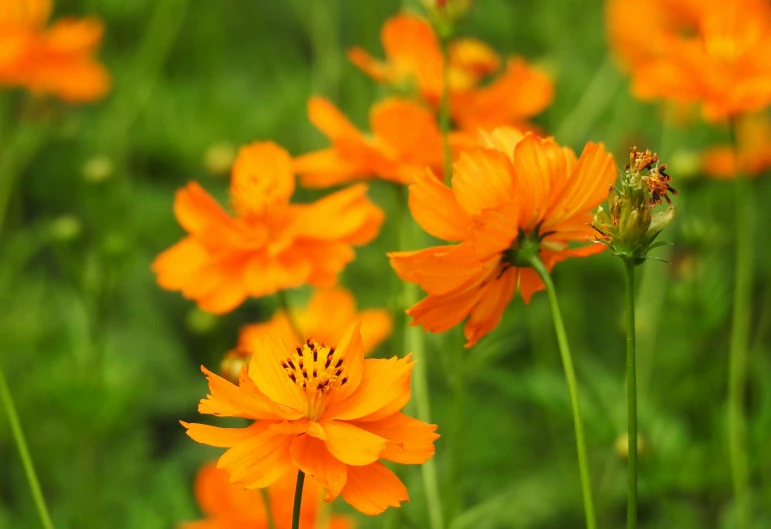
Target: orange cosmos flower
271, 244
325, 410
405, 140
712, 51
512, 196
414, 62
56, 60
753, 134
327, 316
229, 506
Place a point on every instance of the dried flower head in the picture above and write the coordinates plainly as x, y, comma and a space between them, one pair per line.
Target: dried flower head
631, 227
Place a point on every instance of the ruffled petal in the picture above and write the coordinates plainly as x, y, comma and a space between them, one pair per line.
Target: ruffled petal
312, 457
260, 460
268, 375
440, 269
384, 388
345, 216
351, 444
262, 178
228, 400
371, 489
482, 179
223, 437
411, 442
351, 350
435, 209
488, 312
529, 283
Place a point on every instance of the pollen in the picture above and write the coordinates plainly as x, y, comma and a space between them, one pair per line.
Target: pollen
318, 370
658, 185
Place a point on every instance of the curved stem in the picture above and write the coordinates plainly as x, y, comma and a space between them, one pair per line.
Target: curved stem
298, 499
737, 367
570, 377
268, 511
631, 398
26, 459
444, 110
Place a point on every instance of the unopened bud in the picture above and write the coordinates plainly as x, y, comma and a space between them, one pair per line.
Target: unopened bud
219, 157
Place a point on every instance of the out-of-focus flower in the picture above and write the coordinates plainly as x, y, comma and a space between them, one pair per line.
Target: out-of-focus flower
58, 59
514, 197
414, 64
271, 244
325, 410
630, 228
229, 506
405, 140
327, 316
753, 136
711, 51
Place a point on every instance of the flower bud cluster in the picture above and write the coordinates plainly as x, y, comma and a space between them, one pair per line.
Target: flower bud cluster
630, 227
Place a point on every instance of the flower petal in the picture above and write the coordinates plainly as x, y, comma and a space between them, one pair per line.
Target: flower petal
411, 442
260, 460
482, 179
384, 384
351, 350
228, 400
313, 458
435, 209
223, 437
440, 269
352, 445
271, 379
371, 489
262, 178
488, 312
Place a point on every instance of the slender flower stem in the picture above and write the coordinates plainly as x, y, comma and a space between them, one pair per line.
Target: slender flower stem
411, 236
298, 499
570, 377
740, 330
444, 110
631, 398
268, 511
26, 459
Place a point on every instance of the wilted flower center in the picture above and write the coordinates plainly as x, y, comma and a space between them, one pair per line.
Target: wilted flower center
318, 370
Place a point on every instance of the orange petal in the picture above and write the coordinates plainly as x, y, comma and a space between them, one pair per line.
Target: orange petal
329, 120
378, 70
329, 167
385, 385
503, 139
413, 53
351, 350
441, 312
435, 208
268, 375
376, 326
229, 400
537, 163
262, 177
488, 312
440, 269
180, 264
313, 458
27, 13
371, 489
529, 283
420, 142
223, 437
260, 460
411, 440
219, 499
482, 179
279, 326
352, 445
346, 215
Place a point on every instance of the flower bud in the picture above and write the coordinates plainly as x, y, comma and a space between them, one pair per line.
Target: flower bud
631, 226
445, 13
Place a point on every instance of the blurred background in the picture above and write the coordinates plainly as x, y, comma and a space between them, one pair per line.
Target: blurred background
103, 363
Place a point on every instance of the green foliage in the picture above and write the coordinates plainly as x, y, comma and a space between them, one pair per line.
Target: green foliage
103, 363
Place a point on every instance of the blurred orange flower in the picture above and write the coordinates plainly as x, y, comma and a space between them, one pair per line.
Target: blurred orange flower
513, 196
56, 60
327, 316
229, 506
753, 134
271, 244
712, 51
325, 410
414, 64
405, 140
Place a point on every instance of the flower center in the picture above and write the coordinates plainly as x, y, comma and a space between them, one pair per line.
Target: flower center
318, 370
525, 248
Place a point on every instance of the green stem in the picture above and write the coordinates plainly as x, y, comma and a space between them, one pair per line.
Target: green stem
570, 377
298, 499
413, 342
444, 110
737, 367
268, 509
26, 459
631, 398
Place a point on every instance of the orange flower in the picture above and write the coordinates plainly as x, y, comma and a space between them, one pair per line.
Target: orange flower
753, 134
271, 244
229, 506
712, 51
56, 60
515, 195
327, 316
405, 140
325, 410
414, 62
